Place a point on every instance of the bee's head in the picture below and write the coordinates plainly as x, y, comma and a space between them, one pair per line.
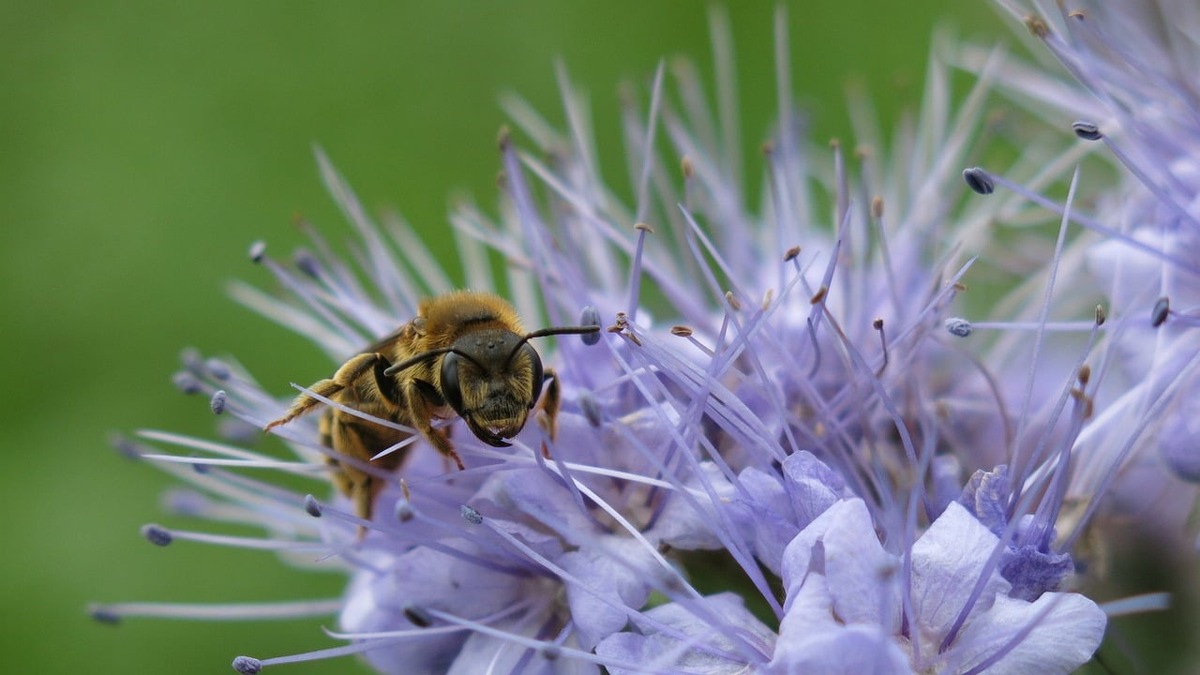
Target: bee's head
492, 378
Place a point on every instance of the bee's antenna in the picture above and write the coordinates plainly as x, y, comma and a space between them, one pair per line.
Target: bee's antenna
544, 332
423, 356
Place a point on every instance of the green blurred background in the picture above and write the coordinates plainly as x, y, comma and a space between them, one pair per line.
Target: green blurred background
146, 144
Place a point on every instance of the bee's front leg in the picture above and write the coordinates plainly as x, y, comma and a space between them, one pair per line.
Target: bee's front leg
550, 404
421, 400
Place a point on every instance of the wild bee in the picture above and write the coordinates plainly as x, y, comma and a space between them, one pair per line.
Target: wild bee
464, 354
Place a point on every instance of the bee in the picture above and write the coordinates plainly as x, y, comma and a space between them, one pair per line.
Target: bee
464, 354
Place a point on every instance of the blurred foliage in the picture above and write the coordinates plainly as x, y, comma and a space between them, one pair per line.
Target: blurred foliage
146, 144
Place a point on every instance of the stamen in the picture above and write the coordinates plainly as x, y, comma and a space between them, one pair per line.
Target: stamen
186, 382
1159, 312
958, 327
217, 403
883, 343
979, 180
590, 316
247, 665
635, 269
218, 369
157, 534
404, 510
591, 410
257, 250
1086, 130
417, 616
248, 611
471, 515
307, 263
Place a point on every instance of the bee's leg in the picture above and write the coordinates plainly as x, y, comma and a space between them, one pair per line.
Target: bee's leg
346, 375
420, 415
358, 485
550, 405
363, 494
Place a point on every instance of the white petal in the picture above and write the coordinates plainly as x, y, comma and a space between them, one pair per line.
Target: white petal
1061, 641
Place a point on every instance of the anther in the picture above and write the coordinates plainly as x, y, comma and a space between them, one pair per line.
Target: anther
978, 180
311, 506
591, 410
681, 331
1085, 374
643, 227
199, 467
878, 325
819, 295
1158, 313
417, 616
307, 263
1037, 27
104, 615
217, 403
590, 316
191, 359
877, 208
1086, 130
186, 382
218, 369
156, 534
958, 327
791, 254
686, 166
257, 250
125, 446
551, 652
404, 511
503, 138
734, 303
247, 665
471, 515
1101, 315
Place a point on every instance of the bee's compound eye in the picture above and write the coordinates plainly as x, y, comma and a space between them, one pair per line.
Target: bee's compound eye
450, 387
535, 367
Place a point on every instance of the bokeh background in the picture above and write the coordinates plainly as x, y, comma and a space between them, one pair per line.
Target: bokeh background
144, 145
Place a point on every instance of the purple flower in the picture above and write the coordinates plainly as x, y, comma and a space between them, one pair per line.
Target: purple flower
780, 456
1129, 98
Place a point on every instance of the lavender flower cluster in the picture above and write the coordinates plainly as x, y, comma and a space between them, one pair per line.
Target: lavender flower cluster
796, 448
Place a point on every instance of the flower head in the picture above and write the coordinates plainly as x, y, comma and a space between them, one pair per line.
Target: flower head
777, 457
